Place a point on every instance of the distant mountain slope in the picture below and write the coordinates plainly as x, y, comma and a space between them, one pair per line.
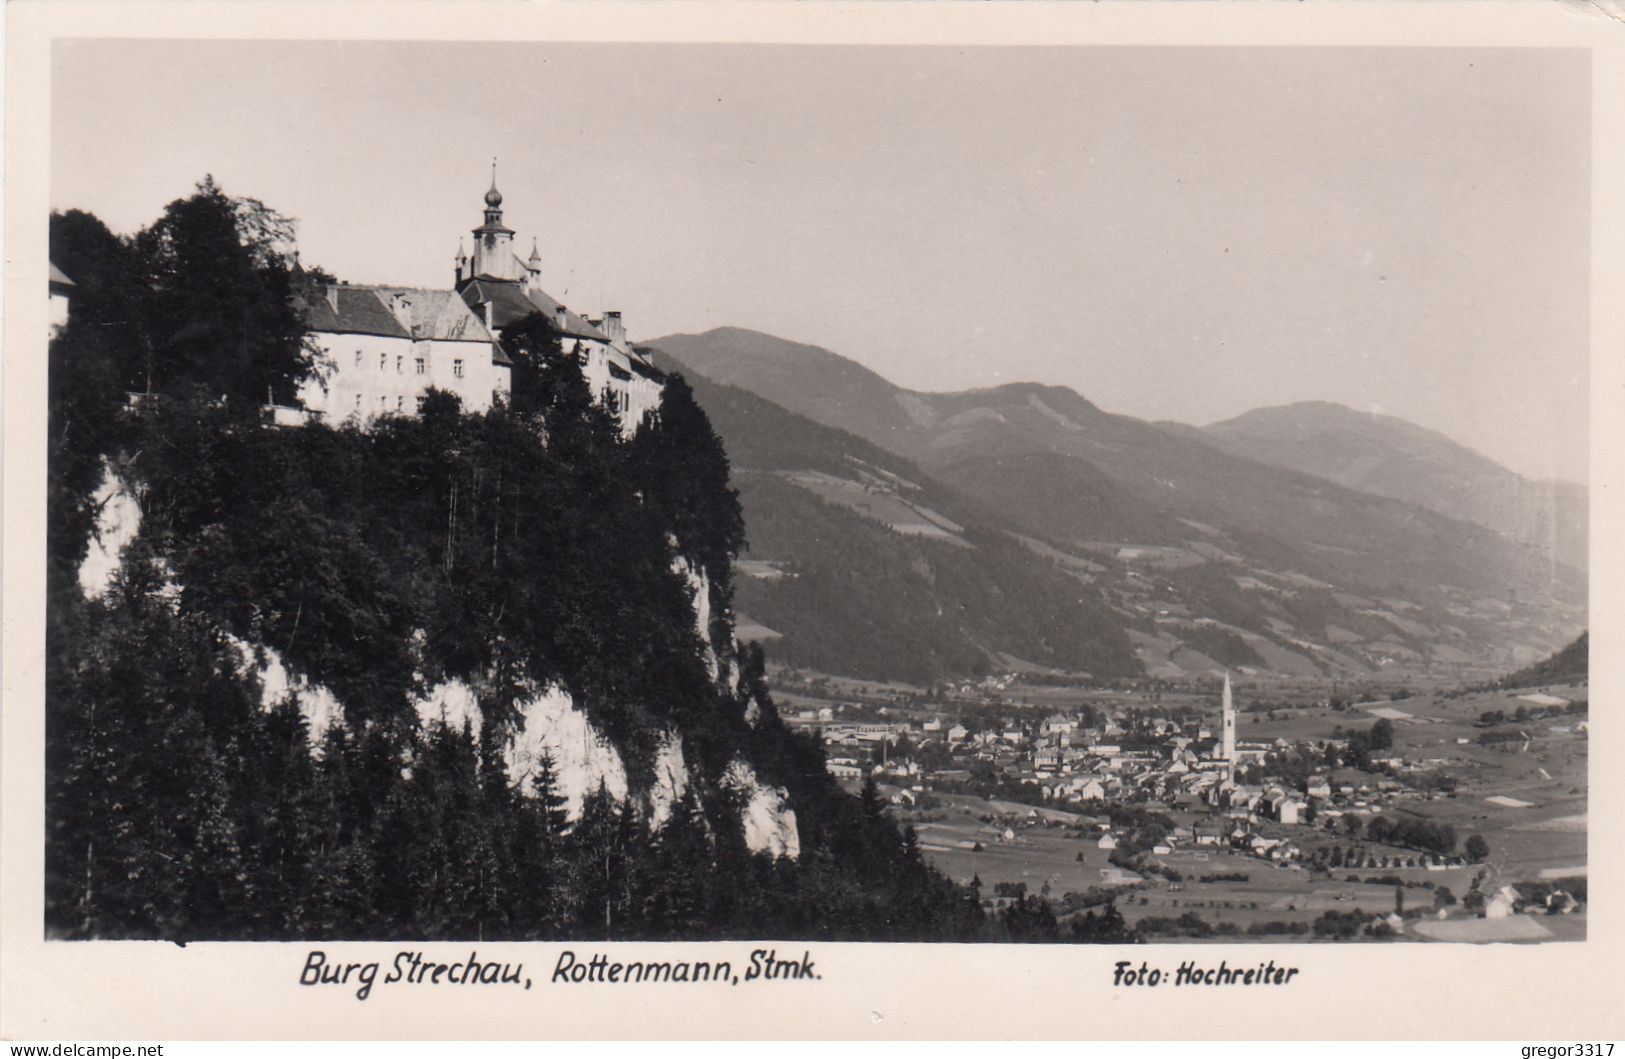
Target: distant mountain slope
1165, 483
1572, 663
867, 567
1185, 532
1158, 481
811, 381
1394, 458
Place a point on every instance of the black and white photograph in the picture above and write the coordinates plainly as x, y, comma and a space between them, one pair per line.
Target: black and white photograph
581, 492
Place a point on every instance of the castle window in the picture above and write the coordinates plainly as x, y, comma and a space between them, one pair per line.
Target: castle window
457, 368
420, 404
358, 358
383, 359
358, 402
400, 403
420, 365
400, 364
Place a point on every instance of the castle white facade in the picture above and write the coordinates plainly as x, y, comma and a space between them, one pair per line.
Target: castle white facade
385, 347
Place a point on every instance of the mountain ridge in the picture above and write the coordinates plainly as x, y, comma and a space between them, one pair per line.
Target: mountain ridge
1187, 514
866, 565
942, 429
1393, 457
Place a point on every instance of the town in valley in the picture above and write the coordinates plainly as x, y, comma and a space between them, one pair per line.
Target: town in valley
1371, 811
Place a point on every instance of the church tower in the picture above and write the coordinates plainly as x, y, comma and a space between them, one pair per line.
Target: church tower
493, 241
1227, 739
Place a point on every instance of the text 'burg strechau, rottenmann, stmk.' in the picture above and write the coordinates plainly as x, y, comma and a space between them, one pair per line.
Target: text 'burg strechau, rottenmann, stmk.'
412, 967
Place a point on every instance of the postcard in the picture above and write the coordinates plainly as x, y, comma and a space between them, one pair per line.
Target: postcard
818, 520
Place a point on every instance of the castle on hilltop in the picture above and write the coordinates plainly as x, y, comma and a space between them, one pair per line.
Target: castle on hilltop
386, 347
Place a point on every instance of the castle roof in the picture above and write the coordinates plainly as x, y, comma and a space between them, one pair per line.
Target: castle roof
510, 301
394, 312
346, 310
434, 314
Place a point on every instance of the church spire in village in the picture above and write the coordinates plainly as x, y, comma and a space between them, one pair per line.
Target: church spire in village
1227, 737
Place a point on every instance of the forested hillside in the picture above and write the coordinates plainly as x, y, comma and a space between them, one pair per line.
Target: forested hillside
868, 584
524, 555
1570, 665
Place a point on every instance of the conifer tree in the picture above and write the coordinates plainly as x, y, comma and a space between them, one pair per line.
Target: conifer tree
280, 824
874, 807
601, 853
682, 867
542, 876
214, 882
551, 805
682, 469
497, 817
346, 899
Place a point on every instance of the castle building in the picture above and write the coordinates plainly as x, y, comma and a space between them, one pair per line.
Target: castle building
385, 347
61, 296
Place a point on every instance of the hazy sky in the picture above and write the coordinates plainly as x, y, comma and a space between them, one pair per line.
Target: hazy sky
1175, 233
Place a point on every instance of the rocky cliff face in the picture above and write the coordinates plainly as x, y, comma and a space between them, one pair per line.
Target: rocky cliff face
770, 823
551, 725
118, 521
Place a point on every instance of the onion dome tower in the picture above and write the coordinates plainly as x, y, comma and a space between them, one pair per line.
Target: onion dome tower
493, 241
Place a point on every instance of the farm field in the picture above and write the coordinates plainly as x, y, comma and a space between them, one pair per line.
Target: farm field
1039, 855
1548, 774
